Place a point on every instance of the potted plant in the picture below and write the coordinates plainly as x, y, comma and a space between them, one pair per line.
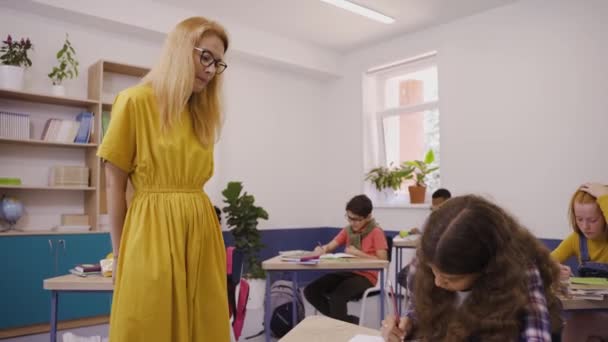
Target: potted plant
242, 217
387, 178
67, 67
418, 170
14, 60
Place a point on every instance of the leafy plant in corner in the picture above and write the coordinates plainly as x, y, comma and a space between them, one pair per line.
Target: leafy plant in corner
67, 67
242, 220
387, 177
14, 52
419, 169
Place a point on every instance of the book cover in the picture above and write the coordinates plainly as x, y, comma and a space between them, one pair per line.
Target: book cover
87, 268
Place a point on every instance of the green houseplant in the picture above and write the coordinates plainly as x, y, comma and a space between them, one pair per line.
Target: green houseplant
386, 177
14, 60
67, 67
418, 170
242, 217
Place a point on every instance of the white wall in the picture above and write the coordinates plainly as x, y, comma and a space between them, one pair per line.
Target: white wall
274, 137
523, 109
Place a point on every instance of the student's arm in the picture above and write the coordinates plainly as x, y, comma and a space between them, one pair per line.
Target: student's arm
116, 185
602, 201
566, 249
327, 248
537, 323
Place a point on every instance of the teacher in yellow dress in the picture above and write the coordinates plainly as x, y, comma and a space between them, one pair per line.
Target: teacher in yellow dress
170, 282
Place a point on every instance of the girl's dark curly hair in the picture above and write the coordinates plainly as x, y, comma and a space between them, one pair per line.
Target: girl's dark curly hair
469, 234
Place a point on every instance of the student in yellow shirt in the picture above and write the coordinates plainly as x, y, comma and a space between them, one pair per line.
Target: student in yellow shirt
588, 217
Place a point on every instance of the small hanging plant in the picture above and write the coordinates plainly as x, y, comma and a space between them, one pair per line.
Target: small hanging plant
67, 67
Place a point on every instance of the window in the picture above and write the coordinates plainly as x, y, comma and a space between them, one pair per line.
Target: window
401, 108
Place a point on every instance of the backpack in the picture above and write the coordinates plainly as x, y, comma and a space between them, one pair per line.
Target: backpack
237, 307
588, 268
281, 307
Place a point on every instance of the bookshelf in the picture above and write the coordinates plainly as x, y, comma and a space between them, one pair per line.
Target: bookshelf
106, 79
44, 204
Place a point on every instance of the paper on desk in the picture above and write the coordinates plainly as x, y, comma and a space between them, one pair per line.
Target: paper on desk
589, 281
336, 256
366, 338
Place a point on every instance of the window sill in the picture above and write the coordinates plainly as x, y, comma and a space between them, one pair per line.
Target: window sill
396, 201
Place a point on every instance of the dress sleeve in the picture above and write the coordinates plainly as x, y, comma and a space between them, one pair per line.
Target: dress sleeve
118, 145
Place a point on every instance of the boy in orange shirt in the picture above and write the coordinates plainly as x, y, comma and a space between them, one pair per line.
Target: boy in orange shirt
363, 238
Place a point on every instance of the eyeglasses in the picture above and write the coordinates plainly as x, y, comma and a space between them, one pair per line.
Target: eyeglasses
207, 60
353, 219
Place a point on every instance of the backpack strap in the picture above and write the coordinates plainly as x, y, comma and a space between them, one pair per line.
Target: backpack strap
582, 245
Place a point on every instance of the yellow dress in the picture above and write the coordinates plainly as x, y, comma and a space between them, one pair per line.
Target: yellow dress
171, 281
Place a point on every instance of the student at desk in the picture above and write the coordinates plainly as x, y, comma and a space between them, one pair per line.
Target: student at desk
479, 276
437, 199
363, 238
588, 213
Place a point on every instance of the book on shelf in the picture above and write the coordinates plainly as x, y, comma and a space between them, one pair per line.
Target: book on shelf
69, 131
14, 125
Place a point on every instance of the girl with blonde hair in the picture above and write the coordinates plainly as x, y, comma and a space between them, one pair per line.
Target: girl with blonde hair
170, 281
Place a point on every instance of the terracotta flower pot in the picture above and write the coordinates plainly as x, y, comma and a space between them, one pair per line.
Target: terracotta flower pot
417, 194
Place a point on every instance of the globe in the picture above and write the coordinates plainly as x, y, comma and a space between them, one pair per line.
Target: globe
11, 210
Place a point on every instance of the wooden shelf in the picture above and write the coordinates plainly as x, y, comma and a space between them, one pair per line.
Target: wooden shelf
47, 232
43, 143
61, 188
45, 98
124, 69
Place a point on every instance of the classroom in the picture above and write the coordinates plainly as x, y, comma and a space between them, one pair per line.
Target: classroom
308, 104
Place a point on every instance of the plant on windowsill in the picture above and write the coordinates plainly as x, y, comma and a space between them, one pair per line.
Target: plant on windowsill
386, 178
242, 217
14, 60
418, 170
67, 67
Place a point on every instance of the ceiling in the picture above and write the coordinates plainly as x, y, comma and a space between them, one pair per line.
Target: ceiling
327, 26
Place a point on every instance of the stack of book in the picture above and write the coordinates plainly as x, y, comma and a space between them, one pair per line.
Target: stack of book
85, 270
69, 131
588, 288
14, 125
299, 257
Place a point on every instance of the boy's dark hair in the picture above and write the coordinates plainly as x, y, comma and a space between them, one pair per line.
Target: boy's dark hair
218, 212
442, 193
360, 205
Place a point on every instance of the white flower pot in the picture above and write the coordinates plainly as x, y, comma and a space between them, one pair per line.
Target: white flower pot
11, 77
58, 90
257, 289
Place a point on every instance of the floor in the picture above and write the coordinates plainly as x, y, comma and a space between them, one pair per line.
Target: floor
253, 323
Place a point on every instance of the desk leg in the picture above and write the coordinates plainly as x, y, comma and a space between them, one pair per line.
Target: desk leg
294, 303
54, 303
267, 306
382, 294
398, 262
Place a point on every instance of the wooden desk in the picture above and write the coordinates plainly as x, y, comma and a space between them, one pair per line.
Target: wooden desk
72, 283
584, 304
399, 243
275, 264
325, 329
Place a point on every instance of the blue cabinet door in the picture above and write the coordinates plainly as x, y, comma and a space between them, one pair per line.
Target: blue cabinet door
26, 262
82, 249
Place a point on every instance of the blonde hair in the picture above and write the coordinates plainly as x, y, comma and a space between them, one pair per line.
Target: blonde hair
172, 79
580, 197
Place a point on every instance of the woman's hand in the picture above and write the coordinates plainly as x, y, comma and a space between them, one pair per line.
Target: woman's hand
352, 250
319, 250
564, 272
393, 332
596, 190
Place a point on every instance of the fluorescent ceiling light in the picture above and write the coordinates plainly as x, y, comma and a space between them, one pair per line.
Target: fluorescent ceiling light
358, 9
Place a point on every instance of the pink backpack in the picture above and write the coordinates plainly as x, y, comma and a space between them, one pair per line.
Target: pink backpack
237, 307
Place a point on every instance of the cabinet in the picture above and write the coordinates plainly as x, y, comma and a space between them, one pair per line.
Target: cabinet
28, 260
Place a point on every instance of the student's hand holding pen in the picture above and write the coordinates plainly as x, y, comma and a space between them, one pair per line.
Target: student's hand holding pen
393, 331
565, 272
319, 250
